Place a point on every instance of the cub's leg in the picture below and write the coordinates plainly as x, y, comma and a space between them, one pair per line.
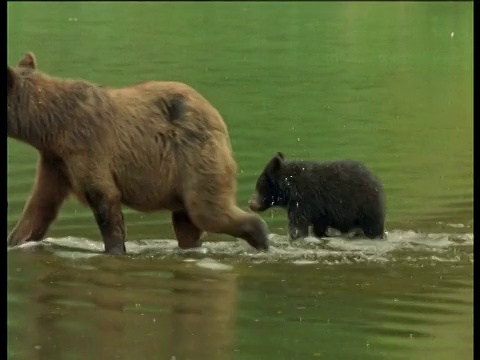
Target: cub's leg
320, 229
297, 232
297, 224
374, 231
373, 226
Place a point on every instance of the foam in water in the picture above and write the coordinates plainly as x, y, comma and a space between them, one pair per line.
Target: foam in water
311, 250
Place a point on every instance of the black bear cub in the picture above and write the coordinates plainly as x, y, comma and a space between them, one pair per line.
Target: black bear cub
341, 194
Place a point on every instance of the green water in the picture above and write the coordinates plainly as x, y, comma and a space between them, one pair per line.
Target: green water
390, 84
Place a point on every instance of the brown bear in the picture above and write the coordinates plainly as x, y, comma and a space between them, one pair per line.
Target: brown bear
157, 145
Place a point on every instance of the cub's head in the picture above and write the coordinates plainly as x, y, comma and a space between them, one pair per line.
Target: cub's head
269, 190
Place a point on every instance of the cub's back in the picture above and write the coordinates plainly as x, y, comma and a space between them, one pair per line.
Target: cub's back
346, 178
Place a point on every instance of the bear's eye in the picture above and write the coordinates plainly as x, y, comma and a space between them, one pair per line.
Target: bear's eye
25, 72
270, 182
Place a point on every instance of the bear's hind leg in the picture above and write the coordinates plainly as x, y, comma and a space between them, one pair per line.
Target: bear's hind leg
232, 221
249, 227
49, 191
374, 231
320, 229
187, 233
373, 222
106, 207
373, 228
209, 199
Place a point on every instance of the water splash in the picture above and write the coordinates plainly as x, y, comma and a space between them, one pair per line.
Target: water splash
400, 246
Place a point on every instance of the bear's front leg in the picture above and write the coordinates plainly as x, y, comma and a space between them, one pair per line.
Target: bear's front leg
49, 191
106, 207
297, 233
297, 225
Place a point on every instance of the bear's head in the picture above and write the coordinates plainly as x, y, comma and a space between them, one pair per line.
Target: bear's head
19, 89
25, 66
269, 190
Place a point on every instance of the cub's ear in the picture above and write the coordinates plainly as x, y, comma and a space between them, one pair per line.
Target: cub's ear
280, 155
275, 164
28, 61
10, 78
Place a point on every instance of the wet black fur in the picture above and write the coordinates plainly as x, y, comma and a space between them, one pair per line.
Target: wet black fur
341, 194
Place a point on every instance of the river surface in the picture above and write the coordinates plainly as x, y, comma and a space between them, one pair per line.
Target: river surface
390, 84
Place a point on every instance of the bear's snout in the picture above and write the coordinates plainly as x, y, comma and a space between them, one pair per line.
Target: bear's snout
253, 203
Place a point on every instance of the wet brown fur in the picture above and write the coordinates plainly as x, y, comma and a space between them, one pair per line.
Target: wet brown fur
152, 146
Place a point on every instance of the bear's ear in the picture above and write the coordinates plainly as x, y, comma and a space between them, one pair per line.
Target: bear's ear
10, 78
280, 155
28, 61
275, 164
